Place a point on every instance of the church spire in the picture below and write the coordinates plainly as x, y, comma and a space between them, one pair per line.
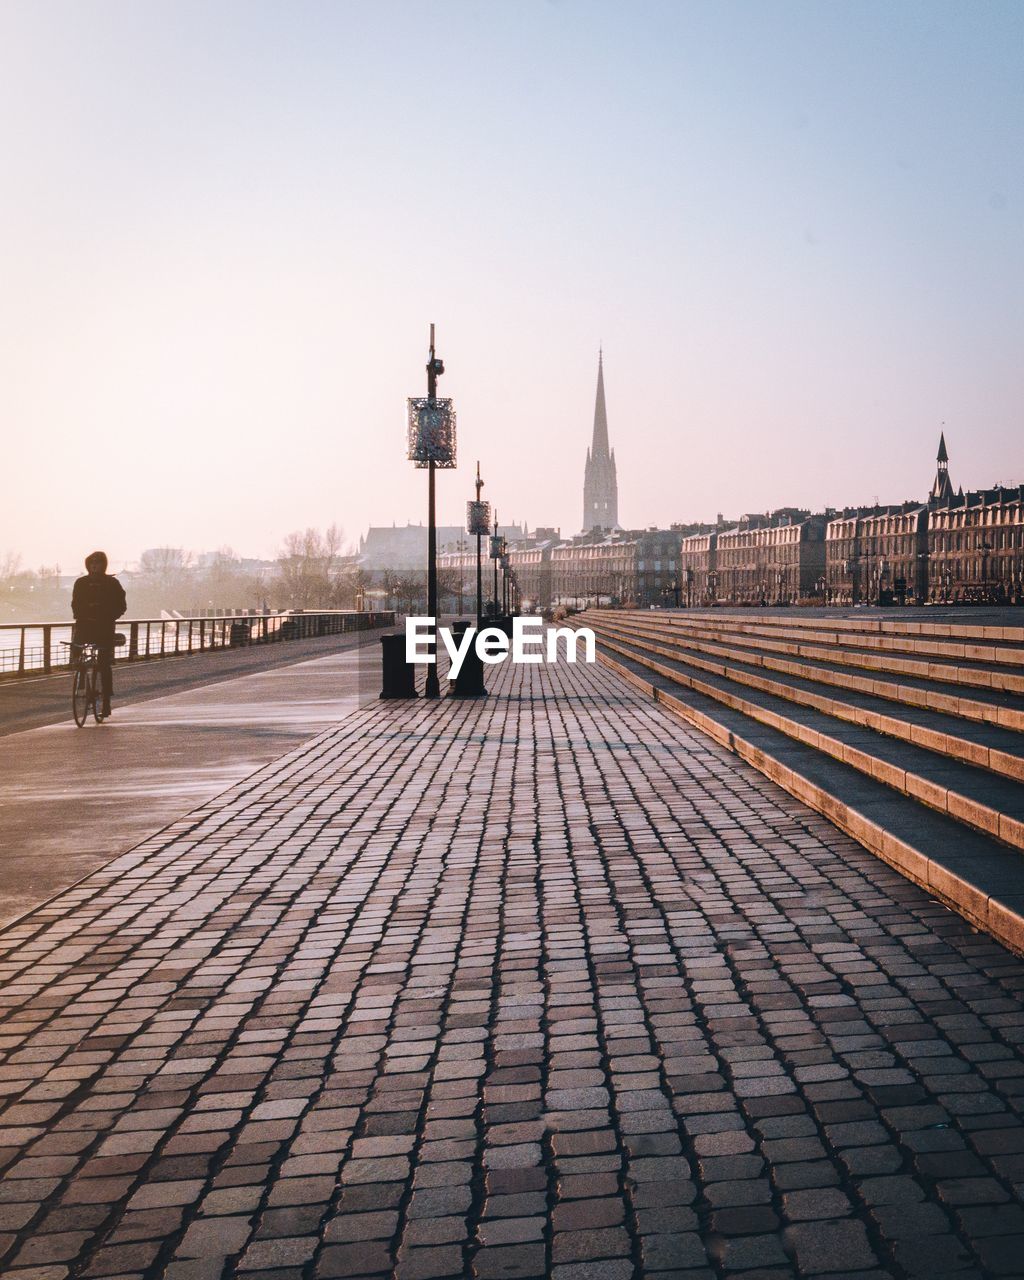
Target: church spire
942, 488
599, 448
600, 484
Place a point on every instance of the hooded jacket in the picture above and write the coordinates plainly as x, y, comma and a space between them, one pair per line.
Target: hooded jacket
96, 604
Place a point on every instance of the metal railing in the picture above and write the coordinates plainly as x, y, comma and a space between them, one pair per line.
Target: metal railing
38, 648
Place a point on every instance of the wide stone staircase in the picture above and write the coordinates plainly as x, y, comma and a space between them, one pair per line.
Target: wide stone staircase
909, 735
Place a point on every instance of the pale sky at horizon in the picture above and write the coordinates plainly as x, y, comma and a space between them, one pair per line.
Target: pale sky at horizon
796, 228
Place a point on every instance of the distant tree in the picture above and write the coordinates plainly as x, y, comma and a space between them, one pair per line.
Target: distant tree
351, 585
410, 591
308, 569
164, 581
10, 568
389, 581
225, 583
31, 596
451, 589
163, 563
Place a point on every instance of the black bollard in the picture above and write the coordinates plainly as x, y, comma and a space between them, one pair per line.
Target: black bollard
399, 676
470, 681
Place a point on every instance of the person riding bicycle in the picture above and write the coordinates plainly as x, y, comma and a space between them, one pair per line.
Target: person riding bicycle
97, 601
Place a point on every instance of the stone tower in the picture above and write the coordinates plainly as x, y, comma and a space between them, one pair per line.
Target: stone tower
600, 486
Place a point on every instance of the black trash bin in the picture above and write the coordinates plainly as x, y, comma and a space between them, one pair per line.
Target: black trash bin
399, 676
470, 680
241, 633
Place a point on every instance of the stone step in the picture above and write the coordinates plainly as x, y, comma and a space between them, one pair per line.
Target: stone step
973, 796
988, 746
985, 706
874, 624
979, 877
973, 673
961, 649
957, 648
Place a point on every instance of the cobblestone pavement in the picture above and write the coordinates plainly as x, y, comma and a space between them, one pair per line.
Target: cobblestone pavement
543, 985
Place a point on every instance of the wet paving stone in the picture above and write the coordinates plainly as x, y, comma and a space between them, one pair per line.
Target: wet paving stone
541, 986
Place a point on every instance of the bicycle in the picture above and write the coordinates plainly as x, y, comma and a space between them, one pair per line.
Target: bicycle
85, 682
86, 690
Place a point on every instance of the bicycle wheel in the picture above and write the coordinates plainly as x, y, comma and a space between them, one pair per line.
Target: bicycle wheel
82, 696
97, 700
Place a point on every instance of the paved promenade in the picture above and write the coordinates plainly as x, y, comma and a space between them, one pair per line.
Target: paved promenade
183, 729
545, 985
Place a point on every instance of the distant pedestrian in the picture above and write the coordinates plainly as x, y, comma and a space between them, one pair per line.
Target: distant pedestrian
97, 601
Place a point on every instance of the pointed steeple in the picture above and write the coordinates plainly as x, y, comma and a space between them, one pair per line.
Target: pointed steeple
942, 488
599, 449
600, 484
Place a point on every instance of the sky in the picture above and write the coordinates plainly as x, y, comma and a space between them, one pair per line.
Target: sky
796, 229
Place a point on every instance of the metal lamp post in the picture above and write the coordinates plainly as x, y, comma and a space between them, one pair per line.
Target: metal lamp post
506, 586
470, 681
432, 445
495, 557
851, 566
478, 522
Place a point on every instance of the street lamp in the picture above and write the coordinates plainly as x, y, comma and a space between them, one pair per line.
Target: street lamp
505, 585
884, 574
851, 567
478, 523
432, 445
495, 557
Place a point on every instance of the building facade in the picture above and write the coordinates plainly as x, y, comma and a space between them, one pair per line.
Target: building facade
593, 568
403, 548
771, 560
976, 548
957, 548
698, 568
877, 555
531, 564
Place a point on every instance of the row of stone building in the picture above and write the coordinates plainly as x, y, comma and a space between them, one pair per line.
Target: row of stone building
967, 550
636, 568
955, 547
